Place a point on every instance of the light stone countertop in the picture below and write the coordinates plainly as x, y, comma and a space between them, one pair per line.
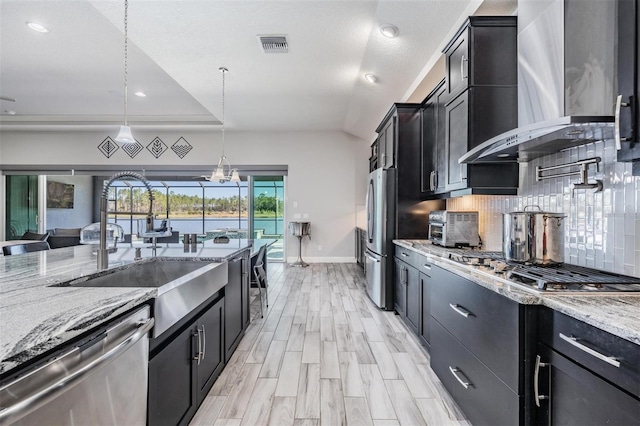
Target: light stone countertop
35, 317
616, 313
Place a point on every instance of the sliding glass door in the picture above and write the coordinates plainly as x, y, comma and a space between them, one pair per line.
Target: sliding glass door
21, 205
267, 213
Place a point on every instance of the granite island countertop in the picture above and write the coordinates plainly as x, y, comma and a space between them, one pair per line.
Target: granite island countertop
616, 313
36, 317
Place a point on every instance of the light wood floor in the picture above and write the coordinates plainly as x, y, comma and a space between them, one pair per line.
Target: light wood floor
324, 354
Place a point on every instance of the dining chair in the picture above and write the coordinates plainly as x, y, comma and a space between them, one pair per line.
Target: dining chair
261, 277
25, 248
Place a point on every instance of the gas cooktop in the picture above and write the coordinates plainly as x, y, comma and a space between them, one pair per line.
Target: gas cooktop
552, 278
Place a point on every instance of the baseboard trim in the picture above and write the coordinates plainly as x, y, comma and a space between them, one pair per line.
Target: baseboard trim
323, 259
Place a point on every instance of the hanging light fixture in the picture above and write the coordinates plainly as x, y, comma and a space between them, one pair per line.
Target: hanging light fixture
219, 174
125, 135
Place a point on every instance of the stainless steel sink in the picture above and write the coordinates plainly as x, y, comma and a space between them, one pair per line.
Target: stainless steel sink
181, 286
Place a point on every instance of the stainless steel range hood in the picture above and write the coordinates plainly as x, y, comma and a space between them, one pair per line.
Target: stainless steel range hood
566, 68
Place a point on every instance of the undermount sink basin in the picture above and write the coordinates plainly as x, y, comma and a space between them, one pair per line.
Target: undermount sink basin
148, 274
181, 286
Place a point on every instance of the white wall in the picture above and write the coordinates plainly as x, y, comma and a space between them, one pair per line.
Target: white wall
82, 212
327, 171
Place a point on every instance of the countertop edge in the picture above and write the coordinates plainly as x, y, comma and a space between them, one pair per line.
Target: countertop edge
605, 316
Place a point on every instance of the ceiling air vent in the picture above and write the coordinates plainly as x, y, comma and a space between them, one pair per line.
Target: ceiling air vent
274, 44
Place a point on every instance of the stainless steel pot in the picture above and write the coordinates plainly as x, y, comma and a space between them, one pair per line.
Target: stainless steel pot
533, 237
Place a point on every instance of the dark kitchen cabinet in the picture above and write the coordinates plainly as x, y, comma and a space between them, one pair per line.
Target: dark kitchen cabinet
628, 114
237, 314
210, 330
399, 134
373, 160
584, 375
481, 63
482, 53
172, 393
478, 114
571, 394
432, 143
478, 348
183, 369
386, 138
400, 288
425, 299
412, 312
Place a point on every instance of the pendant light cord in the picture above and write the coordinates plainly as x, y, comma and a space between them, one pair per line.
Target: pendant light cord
126, 16
223, 70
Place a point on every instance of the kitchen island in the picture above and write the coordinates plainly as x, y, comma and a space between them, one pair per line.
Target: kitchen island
37, 314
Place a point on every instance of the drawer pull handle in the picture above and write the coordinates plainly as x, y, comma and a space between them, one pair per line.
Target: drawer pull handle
574, 341
404, 254
536, 374
457, 373
459, 309
427, 266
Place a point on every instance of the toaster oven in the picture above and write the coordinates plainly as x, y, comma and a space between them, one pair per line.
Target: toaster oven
452, 229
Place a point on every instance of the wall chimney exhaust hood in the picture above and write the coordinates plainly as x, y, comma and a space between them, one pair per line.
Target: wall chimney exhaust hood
566, 84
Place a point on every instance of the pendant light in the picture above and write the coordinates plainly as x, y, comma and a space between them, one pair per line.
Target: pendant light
219, 174
125, 135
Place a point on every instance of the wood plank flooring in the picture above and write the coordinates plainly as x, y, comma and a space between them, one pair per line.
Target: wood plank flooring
324, 354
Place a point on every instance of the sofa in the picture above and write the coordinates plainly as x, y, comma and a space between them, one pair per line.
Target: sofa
63, 237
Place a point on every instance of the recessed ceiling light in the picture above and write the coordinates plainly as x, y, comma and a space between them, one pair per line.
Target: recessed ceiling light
140, 94
389, 30
505, 155
10, 112
37, 27
371, 78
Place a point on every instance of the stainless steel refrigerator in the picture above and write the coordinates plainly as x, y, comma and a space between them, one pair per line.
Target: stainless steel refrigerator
381, 230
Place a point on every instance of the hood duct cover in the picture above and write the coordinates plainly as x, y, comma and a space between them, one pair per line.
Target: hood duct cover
566, 84
274, 44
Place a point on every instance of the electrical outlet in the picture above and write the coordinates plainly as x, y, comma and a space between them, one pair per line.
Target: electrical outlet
319, 248
305, 215
296, 216
295, 204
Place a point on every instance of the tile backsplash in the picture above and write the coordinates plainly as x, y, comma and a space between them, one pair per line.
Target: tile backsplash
602, 229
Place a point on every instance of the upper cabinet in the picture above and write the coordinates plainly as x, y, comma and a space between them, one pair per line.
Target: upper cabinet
482, 53
432, 146
627, 105
481, 69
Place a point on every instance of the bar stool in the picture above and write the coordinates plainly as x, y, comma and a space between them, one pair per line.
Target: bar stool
25, 248
261, 277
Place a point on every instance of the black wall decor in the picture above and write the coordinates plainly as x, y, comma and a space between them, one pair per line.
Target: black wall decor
157, 147
132, 149
108, 147
181, 147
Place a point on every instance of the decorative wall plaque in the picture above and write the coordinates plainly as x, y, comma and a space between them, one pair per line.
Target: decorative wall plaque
157, 147
108, 147
181, 147
132, 149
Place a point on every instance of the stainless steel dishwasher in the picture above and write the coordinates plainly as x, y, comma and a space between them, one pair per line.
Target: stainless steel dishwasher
101, 381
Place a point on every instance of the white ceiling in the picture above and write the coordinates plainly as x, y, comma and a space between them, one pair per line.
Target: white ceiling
74, 73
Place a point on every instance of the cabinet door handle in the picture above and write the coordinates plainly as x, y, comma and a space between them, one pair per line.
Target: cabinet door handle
204, 342
574, 342
459, 309
616, 125
457, 373
536, 375
463, 68
199, 351
432, 185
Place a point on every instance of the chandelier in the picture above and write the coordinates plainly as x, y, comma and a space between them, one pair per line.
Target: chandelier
223, 172
125, 135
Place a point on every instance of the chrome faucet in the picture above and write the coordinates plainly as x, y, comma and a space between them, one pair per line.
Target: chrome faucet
103, 253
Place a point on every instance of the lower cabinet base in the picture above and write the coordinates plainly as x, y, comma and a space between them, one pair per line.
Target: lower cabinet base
481, 395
